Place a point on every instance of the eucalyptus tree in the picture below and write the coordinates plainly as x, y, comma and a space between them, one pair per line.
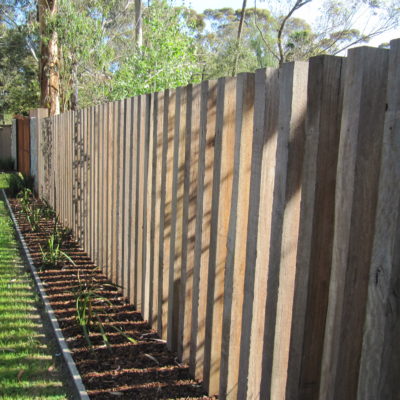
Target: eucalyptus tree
167, 58
338, 25
19, 55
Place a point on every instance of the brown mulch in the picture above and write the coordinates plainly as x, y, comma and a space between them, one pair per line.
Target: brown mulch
123, 370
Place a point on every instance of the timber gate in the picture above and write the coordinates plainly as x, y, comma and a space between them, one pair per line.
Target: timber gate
23, 145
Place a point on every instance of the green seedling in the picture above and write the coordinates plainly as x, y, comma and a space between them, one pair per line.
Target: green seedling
60, 233
33, 216
47, 210
25, 197
90, 304
53, 256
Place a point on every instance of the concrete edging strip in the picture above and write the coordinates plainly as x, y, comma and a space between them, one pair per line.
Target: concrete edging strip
77, 384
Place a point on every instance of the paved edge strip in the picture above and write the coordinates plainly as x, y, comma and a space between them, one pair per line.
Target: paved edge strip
77, 384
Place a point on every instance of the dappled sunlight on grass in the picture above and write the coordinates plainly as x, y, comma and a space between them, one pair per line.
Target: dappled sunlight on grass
27, 370
4, 180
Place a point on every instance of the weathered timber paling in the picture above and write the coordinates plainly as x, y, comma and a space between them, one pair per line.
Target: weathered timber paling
254, 221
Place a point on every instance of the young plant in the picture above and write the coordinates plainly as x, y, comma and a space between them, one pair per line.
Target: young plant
33, 216
60, 233
47, 211
53, 256
25, 198
90, 304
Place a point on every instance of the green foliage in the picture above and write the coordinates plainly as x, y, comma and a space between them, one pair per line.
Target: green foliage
33, 216
219, 47
167, 58
101, 60
32, 213
85, 54
19, 88
47, 211
25, 197
52, 255
90, 305
60, 233
18, 182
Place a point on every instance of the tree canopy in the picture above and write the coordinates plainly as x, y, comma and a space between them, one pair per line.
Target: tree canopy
98, 50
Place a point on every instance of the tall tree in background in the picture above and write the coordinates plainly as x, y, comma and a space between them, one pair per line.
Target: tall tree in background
239, 36
138, 23
166, 59
19, 89
86, 49
338, 26
91, 51
49, 59
19, 55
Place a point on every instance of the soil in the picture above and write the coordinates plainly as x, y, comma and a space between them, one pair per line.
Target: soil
145, 369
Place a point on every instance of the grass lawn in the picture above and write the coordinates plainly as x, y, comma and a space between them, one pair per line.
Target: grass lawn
27, 370
4, 180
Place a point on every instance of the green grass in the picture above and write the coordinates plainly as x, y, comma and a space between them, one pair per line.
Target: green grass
4, 180
27, 369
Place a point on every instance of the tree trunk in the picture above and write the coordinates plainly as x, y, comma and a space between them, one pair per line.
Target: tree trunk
75, 93
49, 61
239, 35
138, 23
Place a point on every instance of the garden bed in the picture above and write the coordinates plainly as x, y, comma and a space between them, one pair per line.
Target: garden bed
123, 358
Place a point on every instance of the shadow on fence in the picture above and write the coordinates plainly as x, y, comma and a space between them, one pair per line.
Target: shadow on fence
252, 220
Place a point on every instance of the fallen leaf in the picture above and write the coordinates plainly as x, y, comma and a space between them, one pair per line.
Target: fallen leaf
152, 358
51, 368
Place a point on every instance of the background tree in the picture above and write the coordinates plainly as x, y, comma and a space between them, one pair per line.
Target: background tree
85, 51
218, 49
19, 89
339, 25
89, 51
166, 59
49, 61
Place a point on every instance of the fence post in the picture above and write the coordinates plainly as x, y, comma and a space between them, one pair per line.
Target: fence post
356, 196
380, 356
14, 142
235, 264
35, 117
290, 153
256, 286
314, 254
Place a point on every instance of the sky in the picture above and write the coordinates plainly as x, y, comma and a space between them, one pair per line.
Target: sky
308, 13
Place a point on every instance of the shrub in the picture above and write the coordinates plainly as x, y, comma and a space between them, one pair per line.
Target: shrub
17, 182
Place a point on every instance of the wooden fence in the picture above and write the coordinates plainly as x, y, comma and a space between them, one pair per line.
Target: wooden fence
254, 221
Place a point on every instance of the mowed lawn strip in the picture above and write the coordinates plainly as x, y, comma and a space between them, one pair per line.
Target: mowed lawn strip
4, 180
27, 369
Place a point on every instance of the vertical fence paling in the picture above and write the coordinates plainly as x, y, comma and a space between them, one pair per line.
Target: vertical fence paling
380, 350
246, 217
364, 106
